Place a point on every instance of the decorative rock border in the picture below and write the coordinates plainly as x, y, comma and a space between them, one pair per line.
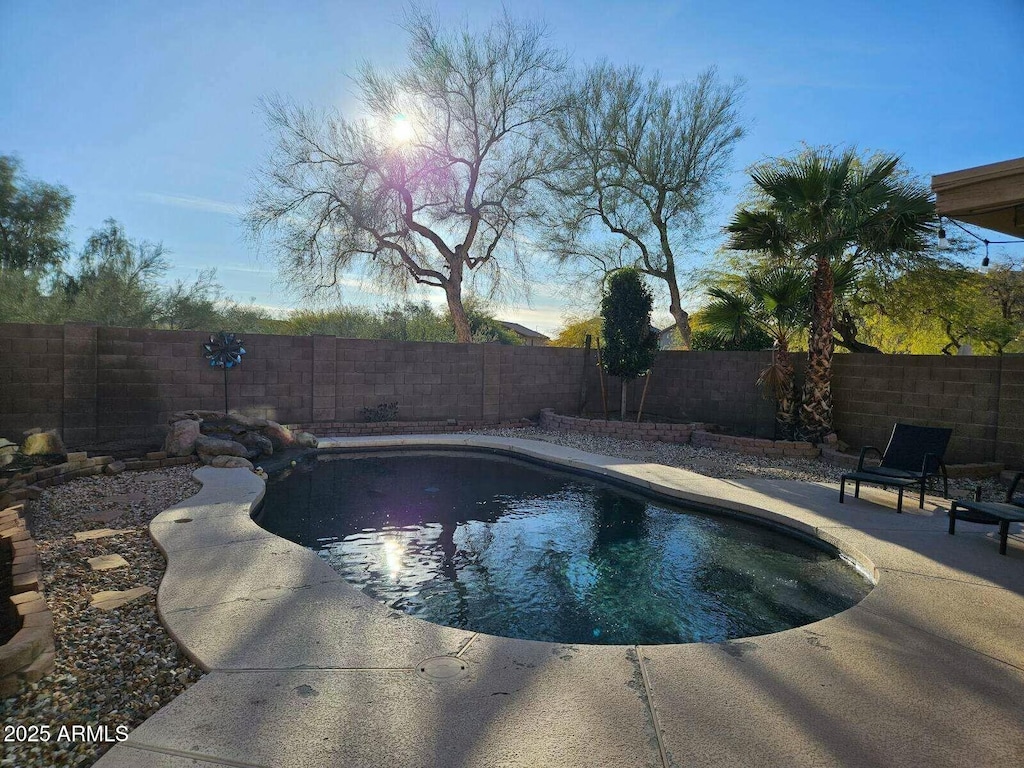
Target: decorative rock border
30, 654
28, 485
755, 446
158, 460
625, 430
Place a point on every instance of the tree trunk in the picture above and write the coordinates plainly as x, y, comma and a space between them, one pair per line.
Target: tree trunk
816, 408
787, 404
846, 327
622, 406
453, 291
679, 314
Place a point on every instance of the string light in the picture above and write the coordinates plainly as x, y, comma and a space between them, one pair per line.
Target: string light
944, 243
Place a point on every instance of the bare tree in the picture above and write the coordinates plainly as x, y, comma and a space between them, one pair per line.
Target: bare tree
434, 184
639, 163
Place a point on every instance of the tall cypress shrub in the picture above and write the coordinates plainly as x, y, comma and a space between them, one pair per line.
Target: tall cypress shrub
630, 346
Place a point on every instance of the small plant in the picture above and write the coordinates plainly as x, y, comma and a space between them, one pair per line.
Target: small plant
382, 412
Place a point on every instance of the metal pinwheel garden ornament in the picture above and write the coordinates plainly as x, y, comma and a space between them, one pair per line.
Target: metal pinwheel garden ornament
224, 350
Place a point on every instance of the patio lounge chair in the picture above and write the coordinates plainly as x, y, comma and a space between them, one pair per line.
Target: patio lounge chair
990, 512
912, 456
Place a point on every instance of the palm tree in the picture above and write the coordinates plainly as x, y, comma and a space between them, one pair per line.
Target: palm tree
777, 302
816, 210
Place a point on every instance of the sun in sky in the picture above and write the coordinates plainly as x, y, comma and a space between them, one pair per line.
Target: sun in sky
401, 129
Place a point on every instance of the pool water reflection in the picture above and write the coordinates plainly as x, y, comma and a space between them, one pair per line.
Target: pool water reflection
496, 545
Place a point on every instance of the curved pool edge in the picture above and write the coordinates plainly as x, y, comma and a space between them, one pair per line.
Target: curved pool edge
292, 684
226, 575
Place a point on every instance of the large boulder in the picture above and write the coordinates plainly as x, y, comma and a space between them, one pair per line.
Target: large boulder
249, 422
230, 462
41, 443
306, 440
208, 447
7, 451
280, 436
181, 439
195, 415
257, 442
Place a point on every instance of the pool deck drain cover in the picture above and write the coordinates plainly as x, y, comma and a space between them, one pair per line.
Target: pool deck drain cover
439, 668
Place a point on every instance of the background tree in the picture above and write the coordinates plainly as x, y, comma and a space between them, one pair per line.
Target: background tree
640, 163
821, 208
629, 346
114, 282
192, 305
575, 330
33, 220
940, 307
435, 184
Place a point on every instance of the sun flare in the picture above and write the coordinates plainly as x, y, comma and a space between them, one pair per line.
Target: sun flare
401, 129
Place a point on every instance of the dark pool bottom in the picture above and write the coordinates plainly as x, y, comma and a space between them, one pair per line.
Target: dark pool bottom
499, 546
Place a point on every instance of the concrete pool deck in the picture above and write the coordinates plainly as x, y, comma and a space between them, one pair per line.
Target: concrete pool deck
306, 670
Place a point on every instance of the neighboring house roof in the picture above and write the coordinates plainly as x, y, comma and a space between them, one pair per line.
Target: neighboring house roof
522, 330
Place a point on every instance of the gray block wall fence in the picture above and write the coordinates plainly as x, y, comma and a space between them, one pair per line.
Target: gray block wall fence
96, 384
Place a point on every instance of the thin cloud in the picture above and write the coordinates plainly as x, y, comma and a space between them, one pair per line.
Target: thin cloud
193, 203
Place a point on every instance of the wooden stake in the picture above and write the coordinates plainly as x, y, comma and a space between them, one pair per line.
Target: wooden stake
583, 378
643, 397
600, 373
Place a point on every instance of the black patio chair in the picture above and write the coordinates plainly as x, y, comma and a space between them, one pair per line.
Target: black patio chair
912, 456
990, 512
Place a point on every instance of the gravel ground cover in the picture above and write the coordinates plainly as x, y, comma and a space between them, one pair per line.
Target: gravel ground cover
113, 668
724, 464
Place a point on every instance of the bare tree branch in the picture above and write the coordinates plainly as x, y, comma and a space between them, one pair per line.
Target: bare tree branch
339, 196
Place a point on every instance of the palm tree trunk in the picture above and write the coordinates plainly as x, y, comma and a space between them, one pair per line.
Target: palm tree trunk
816, 408
622, 403
786, 407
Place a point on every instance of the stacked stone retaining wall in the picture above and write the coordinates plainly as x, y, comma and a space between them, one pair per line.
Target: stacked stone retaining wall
755, 446
623, 430
30, 654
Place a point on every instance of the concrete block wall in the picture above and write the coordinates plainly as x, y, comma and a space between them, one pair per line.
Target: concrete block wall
872, 392
532, 378
96, 384
429, 381
31, 377
142, 376
1009, 444
713, 387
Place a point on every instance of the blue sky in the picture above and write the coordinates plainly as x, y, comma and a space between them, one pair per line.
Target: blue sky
148, 111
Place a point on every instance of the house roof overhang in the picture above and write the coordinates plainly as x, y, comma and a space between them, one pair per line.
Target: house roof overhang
990, 196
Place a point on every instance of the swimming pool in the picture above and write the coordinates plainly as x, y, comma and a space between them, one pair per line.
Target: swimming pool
500, 546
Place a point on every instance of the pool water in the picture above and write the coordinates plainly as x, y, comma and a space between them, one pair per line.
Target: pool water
496, 545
